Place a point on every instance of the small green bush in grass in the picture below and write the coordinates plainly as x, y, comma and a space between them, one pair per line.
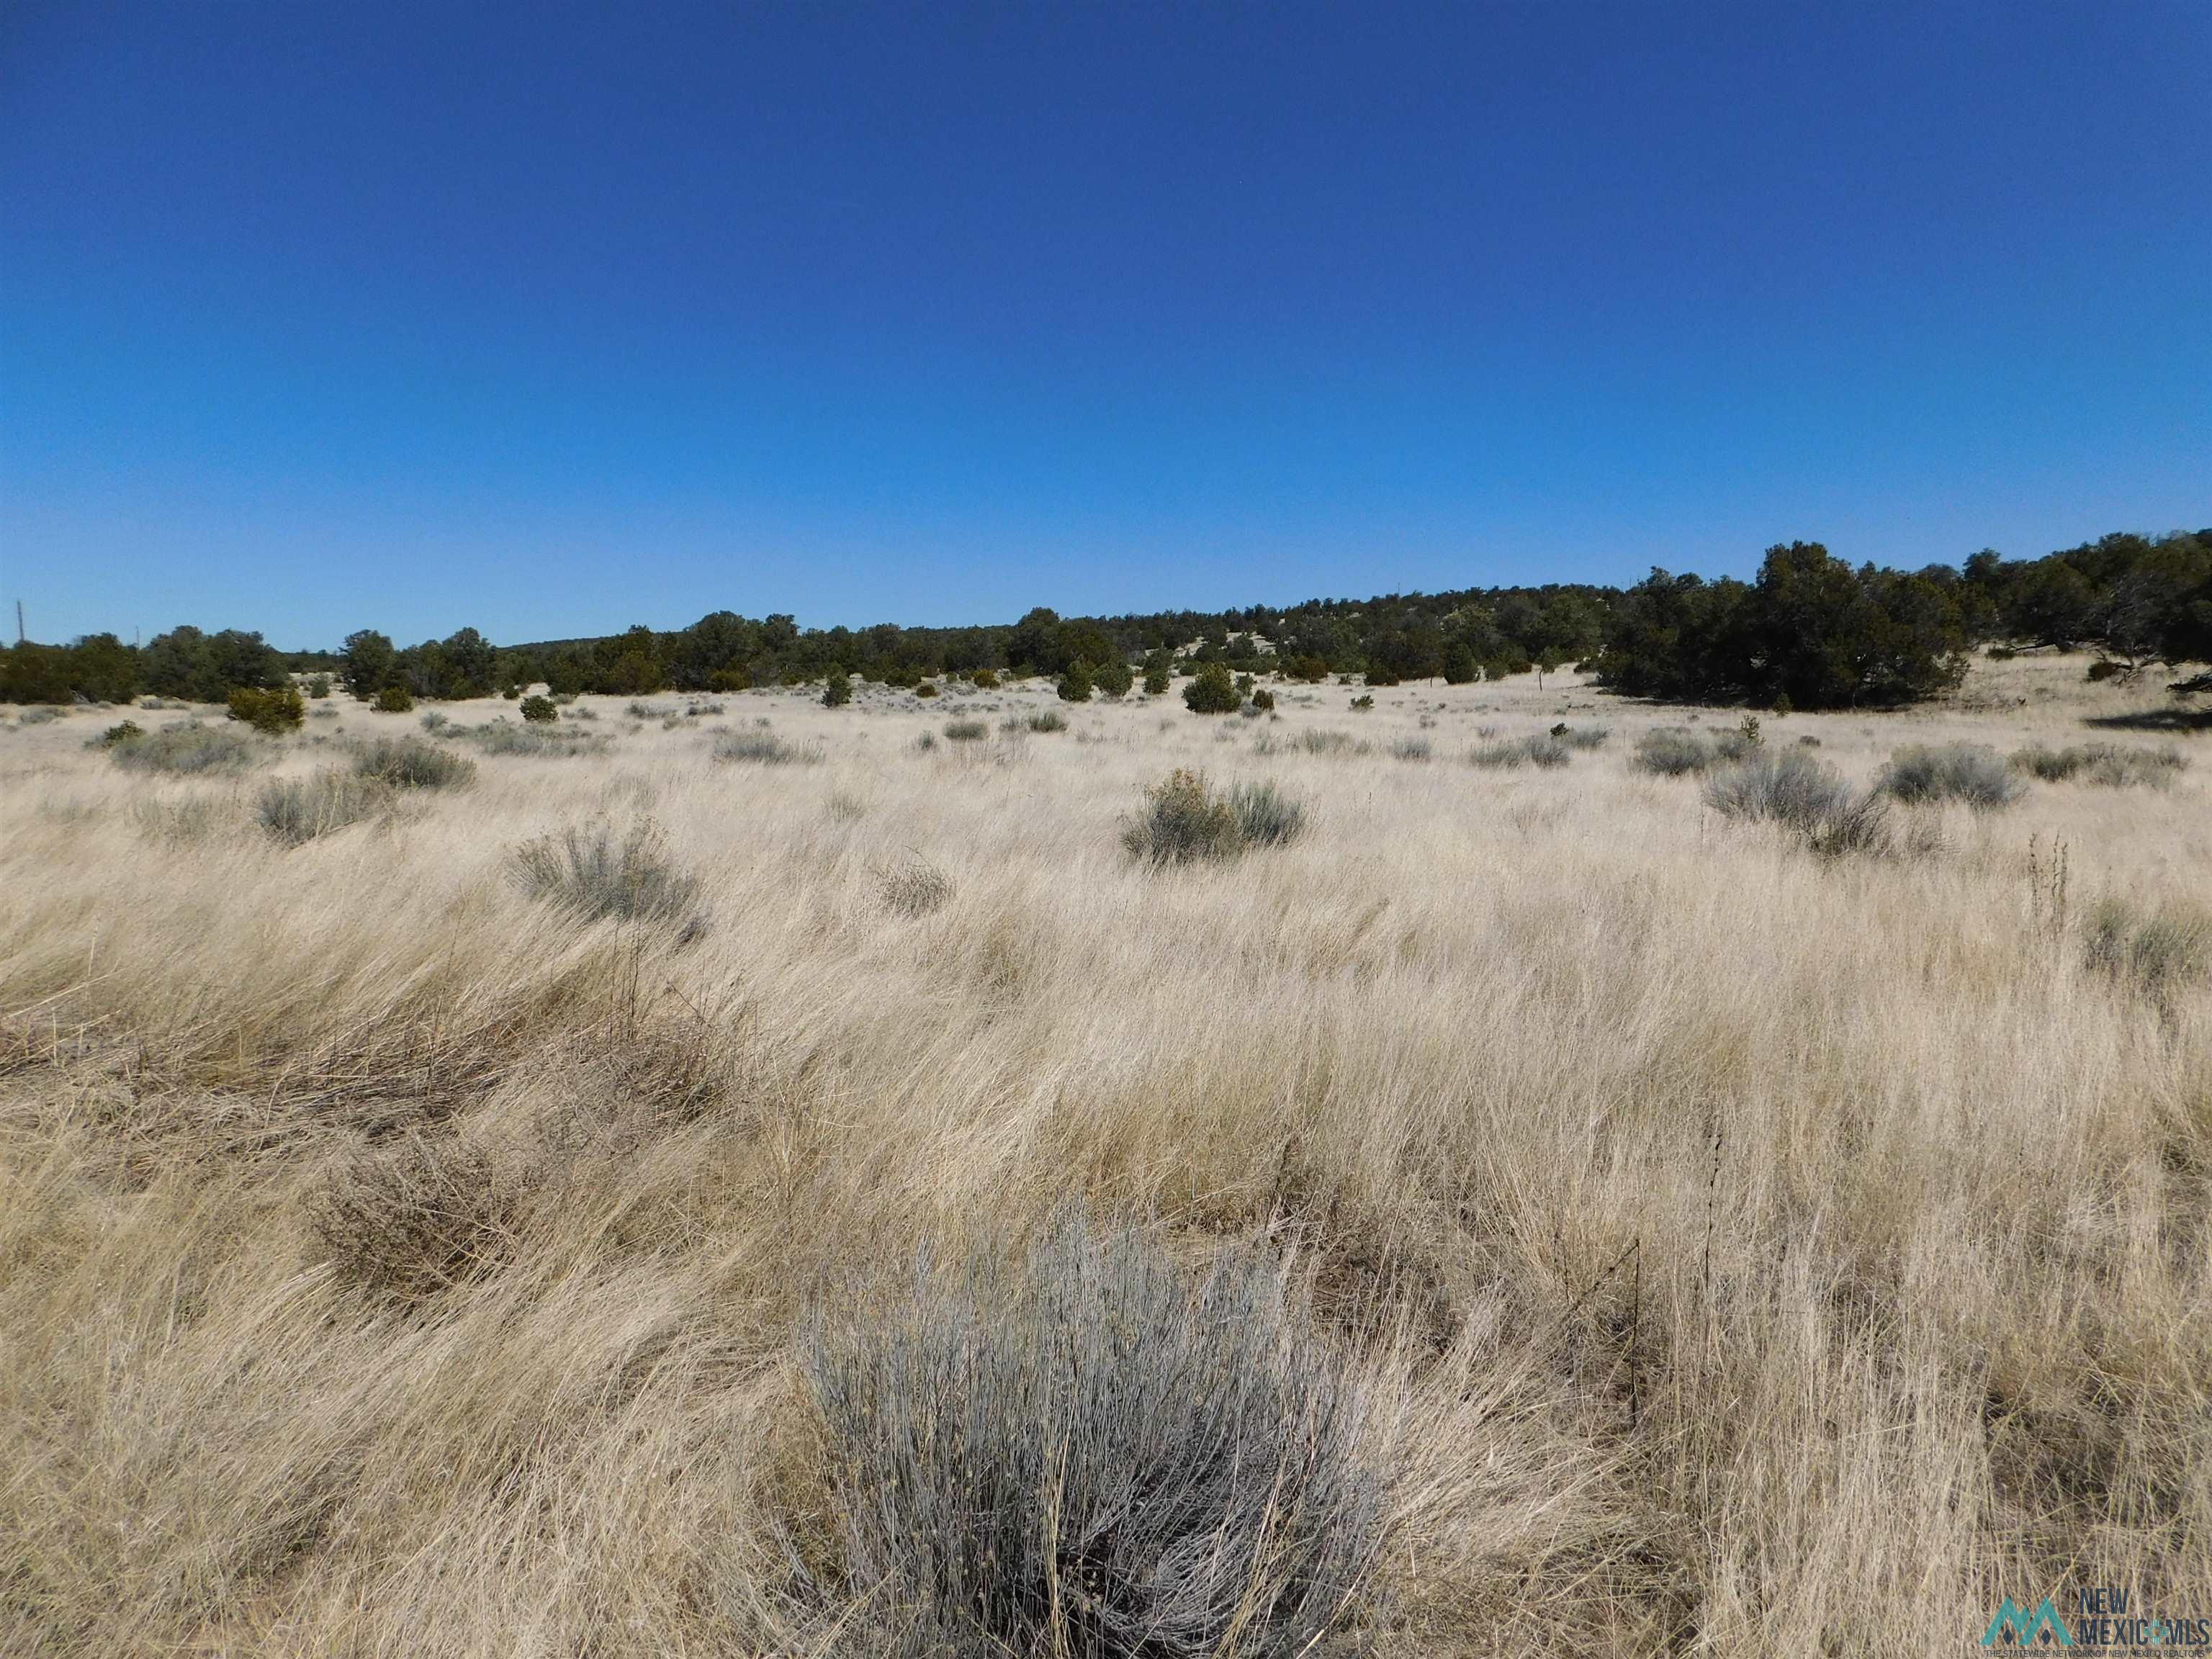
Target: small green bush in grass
1212, 691
1541, 750
1264, 816
411, 763
1050, 720
759, 747
966, 731
394, 700
538, 711
273, 713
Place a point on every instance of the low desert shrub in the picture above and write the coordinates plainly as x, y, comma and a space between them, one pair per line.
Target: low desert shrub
1331, 742
1050, 720
912, 887
503, 737
1799, 792
1672, 751
1581, 736
2104, 763
2156, 949
836, 688
1362, 704
409, 1220
1541, 750
37, 716
1264, 816
1080, 1452
986, 679
273, 713
433, 722
297, 810
394, 700
123, 732
1971, 772
966, 731
1183, 820
592, 874
185, 748
1412, 749
761, 748
538, 711
411, 763
318, 686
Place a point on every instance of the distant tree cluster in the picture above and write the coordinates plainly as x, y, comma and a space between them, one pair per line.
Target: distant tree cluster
1811, 630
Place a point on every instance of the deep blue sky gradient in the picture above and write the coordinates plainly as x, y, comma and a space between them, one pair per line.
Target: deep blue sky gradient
551, 320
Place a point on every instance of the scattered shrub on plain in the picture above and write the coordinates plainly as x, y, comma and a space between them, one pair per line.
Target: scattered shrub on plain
1050, 720
2157, 950
1211, 691
966, 731
394, 700
1080, 1453
271, 713
318, 686
1264, 816
761, 748
1971, 772
433, 722
836, 688
1412, 749
986, 679
1540, 749
411, 763
1806, 796
1183, 820
123, 732
297, 810
912, 887
1581, 736
592, 875
538, 711
1362, 704
187, 748
2107, 764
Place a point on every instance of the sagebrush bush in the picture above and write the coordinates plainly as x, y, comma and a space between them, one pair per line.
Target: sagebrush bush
760, 747
1672, 751
2103, 763
1078, 1452
1183, 820
272, 711
1412, 749
503, 737
411, 763
318, 686
593, 874
1806, 796
1541, 750
37, 716
1331, 742
1581, 736
1264, 816
297, 810
1050, 720
185, 748
433, 722
966, 731
2156, 949
1971, 772
410, 1220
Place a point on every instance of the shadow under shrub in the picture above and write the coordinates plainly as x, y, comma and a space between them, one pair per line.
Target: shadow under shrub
1079, 1451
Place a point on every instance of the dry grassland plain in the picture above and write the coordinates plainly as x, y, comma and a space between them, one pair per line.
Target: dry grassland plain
1737, 1250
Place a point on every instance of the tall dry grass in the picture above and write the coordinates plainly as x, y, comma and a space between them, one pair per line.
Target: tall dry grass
1737, 1251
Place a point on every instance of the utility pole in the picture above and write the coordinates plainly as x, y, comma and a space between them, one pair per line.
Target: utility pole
19, 622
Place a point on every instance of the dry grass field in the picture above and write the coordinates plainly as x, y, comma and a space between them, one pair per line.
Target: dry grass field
1731, 1248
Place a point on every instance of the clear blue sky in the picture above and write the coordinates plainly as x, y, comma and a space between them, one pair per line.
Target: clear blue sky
551, 320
